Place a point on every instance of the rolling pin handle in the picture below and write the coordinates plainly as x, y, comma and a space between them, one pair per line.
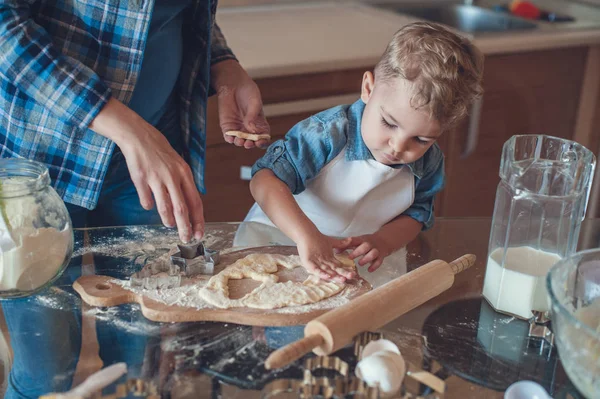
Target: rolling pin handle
293, 351
463, 263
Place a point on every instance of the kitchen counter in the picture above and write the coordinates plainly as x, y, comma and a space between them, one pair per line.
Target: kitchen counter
288, 39
56, 339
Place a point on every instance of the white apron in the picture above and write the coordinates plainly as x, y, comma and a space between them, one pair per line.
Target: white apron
351, 198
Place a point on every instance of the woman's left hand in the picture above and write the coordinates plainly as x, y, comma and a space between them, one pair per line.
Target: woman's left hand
240, 103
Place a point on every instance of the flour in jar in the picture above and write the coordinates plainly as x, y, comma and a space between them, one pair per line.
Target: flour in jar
39, 253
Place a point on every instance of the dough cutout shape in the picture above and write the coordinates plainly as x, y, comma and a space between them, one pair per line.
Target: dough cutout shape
270, 294
248, 136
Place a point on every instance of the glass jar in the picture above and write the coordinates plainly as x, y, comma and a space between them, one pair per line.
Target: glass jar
574, 288
540, 204
36, 235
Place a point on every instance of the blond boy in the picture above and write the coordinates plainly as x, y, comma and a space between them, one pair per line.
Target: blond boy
370, 171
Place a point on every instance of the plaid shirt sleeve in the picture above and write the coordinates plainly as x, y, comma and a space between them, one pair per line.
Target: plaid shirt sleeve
219, 51
30, 61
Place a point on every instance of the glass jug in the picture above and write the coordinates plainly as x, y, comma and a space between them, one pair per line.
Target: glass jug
36, 235
540, 203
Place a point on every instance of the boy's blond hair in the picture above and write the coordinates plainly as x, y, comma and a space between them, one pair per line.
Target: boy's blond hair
445, 70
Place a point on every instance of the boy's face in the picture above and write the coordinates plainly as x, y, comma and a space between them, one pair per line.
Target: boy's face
395, 132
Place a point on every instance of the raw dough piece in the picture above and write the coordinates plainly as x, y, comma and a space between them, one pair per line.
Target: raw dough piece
270, 294
248, 136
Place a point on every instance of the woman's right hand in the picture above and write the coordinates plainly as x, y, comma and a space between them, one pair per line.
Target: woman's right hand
159, 174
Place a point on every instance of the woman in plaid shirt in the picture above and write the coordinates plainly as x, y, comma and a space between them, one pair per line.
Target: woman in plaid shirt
111, 96
78, 77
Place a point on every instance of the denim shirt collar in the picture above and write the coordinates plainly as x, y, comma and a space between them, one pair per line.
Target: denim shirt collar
357, 150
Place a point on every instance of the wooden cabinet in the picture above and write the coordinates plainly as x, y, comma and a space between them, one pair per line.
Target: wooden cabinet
530, 93
527, 93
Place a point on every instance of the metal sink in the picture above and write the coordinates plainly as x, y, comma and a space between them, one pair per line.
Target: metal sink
466, 18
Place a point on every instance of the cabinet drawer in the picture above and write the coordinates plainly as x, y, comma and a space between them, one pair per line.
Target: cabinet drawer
310, 86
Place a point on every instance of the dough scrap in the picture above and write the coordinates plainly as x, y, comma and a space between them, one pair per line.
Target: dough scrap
248, 136
271, 294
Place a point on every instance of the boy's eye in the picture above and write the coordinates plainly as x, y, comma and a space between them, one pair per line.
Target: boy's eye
386, 124
421, 141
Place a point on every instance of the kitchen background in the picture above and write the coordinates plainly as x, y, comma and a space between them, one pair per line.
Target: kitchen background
541, 76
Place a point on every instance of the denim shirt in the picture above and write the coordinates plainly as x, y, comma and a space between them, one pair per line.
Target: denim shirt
314, 142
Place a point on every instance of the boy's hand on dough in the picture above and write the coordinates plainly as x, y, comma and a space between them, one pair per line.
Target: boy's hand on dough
372, 248
317, 255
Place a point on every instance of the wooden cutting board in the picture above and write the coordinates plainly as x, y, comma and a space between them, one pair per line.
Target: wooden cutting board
104, 291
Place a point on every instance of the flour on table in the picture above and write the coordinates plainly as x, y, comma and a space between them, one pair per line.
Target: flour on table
271, 294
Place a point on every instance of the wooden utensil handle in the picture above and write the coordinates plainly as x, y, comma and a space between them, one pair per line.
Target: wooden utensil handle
462, 263
293, 351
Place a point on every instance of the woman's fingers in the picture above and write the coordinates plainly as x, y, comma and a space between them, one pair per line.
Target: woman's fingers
196, 208
163, 204
181, 213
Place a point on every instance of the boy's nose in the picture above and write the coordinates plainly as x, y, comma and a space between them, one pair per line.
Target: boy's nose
398, 145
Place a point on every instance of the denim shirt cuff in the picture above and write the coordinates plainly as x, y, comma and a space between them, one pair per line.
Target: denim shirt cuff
277, 162
424, 216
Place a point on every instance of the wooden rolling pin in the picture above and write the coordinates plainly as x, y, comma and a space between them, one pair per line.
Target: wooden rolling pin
337, 328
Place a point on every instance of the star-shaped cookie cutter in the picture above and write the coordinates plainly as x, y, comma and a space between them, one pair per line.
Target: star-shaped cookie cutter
194, 258
191, 259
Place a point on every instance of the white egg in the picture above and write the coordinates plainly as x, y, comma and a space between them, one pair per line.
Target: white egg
379, 345
384, 368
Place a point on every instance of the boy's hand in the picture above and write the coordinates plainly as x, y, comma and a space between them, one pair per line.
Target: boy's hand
317, 255
371, 247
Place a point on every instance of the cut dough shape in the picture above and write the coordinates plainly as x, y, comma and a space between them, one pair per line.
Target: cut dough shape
271, 294
248, 136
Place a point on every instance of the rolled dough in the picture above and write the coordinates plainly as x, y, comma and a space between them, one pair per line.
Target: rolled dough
248, 136
271, 294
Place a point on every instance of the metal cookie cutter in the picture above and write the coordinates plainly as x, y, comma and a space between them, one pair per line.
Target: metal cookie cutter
192, 259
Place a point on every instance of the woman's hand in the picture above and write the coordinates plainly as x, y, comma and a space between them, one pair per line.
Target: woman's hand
240, 103
155, 168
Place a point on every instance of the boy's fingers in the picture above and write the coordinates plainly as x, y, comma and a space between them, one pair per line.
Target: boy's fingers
342, 245
346, 273
369, 257
375, 265
317, 271
340, 274
361, 250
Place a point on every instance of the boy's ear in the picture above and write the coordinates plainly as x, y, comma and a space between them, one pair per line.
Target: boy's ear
368, 83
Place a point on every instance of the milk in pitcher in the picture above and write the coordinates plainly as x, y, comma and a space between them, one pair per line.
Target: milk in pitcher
520, 286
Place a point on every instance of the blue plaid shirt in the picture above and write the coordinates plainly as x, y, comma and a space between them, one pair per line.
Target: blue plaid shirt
61, 61
314, 142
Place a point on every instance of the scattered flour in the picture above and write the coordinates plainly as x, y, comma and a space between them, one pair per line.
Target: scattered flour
130, 321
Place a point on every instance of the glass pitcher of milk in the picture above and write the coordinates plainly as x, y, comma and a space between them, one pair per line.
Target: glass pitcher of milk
540, 203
